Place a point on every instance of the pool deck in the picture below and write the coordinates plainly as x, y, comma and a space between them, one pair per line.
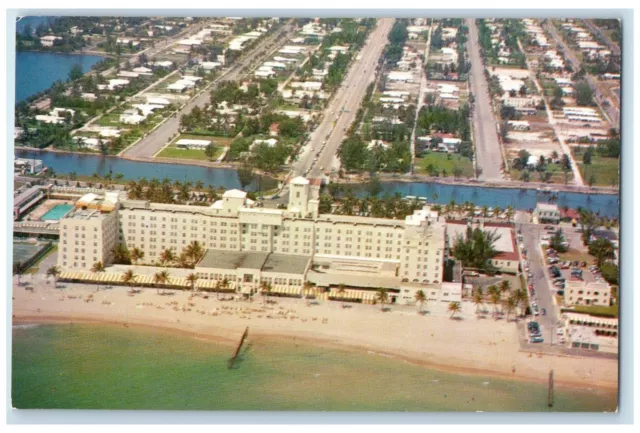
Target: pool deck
46, 206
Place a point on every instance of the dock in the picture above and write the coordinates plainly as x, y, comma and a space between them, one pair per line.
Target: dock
550, 395
232, 360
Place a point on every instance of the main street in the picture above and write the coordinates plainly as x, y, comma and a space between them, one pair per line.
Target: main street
342, 108
488, 152
609, 109
152, 143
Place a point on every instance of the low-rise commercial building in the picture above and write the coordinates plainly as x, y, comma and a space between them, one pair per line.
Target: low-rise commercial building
587, 293
547, 213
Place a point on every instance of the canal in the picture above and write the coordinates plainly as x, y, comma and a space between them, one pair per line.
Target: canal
521, 199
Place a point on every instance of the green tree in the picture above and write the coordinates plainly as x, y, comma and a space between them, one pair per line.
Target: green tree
583, 94
160, 278
76, 72
454, 307
192, 279
476, 248
382, 297
602, 249
557, 240
478, 298
128, 278
210, 150
421, 298
54, 272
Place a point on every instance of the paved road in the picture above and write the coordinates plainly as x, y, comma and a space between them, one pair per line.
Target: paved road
608, 106
349, 97
149, 145
421, 97
488, 152
594, 29
577, 176
544, 296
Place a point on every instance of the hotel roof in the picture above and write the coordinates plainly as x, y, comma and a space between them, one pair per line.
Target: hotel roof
222, 259
286, 264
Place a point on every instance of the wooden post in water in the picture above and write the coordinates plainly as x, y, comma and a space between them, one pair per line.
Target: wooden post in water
550, 396
232, 360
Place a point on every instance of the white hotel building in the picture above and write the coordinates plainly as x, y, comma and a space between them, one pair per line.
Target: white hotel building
248, 244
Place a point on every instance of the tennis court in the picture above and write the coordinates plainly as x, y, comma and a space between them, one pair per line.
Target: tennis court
26, 253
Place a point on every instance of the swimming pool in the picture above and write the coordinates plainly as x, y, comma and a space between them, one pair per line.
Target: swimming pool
56, 212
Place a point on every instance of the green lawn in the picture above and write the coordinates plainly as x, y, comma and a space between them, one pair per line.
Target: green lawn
444, 161
604, 170
557, 175
175, 153
611, 311
216, 140
573, 255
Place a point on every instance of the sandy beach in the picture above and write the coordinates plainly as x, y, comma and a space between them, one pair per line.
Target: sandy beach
469, 345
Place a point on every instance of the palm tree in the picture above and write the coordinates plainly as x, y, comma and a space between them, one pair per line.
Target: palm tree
510, 212
18, 271
136, 254
485, 211
420, 299
505, 286
192, 279
341, 292
495, 300
54, 272
167, 256
161, 278
521, 298
454, 307
128, 278
306, 290
265, 290
96, 268
382, 297
194, 252
478, 298
511, 306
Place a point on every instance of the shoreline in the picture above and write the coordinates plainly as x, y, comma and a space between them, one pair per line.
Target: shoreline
384, 178
470, 346
312, 341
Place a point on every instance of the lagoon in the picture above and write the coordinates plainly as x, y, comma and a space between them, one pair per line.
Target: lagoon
37, 71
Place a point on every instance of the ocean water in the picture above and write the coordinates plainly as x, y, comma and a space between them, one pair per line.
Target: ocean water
112, 367
37, 71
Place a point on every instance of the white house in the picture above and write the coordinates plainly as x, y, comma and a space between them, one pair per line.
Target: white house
49, 41
185, 143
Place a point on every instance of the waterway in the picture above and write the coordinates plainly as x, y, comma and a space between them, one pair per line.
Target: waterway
520, 199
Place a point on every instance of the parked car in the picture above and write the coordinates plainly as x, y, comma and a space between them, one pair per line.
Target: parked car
537, 340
